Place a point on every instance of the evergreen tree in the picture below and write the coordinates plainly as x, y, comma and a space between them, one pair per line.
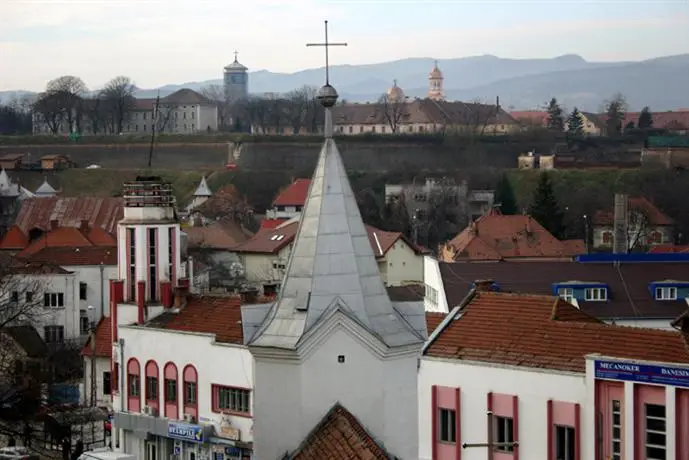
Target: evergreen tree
575, 123
629, 127
645, 119
556, 121
544, 207
504, 196
615, 110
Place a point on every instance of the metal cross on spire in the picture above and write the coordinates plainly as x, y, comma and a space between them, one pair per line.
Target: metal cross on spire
235, 55
326, 45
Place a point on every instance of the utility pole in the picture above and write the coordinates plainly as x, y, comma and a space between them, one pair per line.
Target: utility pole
153, 130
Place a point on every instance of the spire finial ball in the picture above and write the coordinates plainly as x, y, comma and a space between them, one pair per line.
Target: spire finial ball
327, 96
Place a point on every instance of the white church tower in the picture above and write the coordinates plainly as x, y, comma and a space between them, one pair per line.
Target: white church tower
333, 336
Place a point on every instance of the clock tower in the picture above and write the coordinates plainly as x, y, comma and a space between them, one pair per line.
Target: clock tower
236, 81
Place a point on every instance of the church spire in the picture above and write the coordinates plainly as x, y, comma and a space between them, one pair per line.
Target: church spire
332, 266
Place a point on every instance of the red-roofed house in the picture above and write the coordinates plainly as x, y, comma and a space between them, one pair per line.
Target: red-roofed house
265, 256
647, 225
290, 200
494, 236
543, 380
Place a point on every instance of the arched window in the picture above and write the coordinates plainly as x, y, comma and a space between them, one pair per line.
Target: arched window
607, 238
656, 238
152, 384
191, 389
133, 385
170, 390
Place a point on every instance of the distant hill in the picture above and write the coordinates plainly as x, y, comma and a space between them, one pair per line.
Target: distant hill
521, 83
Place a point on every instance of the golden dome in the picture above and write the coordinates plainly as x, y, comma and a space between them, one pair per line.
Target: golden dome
435, 74
395, 93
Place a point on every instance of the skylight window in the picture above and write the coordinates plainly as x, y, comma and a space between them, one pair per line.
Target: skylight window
277, 237
666, 293
597, 294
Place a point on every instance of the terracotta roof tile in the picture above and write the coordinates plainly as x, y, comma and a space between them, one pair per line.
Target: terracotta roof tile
640, 204
433, 320
339, 436
221, 316
268, 224
103, 334
628, 284
223, 234
72, 256
531, 117
528, 330
28, 267
669, 249
294, 194
495, 236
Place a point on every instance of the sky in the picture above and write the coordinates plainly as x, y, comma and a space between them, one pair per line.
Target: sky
158, 42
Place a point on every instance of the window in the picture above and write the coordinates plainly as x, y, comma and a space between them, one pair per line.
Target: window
566, 294
564, 442
29, 297
655, 432
447, 426
230, 399
134, 386
666, 293
132, 264
170, 251
616, 424
84, 324
107, 383
15, 296
54, 299
151, 388
54, 334
607, 238
599, 294
189, 393
431, 294
193, 115
351, 129
655, 238
279, 264
382, 129
171, 390
504, 434
82, 291
152, 263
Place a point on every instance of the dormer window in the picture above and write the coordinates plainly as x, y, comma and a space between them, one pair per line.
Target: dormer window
596, 294
566, 294
666, 293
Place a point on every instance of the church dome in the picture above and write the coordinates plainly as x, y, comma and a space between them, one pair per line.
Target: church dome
235, 66
395, 93
435, 74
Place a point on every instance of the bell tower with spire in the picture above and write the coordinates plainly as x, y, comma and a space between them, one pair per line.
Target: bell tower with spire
435, 84
333, 337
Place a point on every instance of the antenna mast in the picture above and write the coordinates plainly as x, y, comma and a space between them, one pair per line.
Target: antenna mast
153, 130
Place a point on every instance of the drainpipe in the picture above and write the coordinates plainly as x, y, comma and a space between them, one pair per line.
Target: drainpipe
102, 292
123, 389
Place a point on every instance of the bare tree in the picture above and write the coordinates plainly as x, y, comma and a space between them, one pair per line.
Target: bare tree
393, 111
68, 92
639, 230
477, 117
297, 108
217, 94
257, 112
118, 96
48, 110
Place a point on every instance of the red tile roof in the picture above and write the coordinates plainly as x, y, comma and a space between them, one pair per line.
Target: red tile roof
639, 204
103, 334
294, 194
546, 332
270, 241
223, 234
495, 237
339, 436
73, 256
675, 120
267, 224
28, 267
433, 320
669, 249
531, 117
221, 316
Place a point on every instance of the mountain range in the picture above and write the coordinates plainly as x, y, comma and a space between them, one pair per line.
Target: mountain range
521, 84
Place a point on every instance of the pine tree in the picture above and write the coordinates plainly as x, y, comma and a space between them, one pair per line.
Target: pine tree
556, 121
504, 196
615, 111
645, 119
544, 207
575, 123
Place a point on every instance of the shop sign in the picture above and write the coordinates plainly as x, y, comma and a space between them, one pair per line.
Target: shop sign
185, 432
642, 373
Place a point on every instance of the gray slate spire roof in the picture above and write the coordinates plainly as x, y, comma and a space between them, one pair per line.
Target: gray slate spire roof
202, 189
45, 189
332, 266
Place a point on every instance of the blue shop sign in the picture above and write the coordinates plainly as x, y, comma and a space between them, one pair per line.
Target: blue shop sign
632, 372
185, 432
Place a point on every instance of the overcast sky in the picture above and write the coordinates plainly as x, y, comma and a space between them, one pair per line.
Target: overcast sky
156, 42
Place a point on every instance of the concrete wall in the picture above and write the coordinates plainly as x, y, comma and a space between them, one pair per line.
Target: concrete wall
434, 282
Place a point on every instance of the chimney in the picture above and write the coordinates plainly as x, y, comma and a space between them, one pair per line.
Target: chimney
497, 103
483, 285
84, 226
141, 301
54, 224
529, 228
620, 230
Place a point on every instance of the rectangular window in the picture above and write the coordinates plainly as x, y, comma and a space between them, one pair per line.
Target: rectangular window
84, 324
596, 294
566, 294
82, 291
171, 390
655, 432
15, 296
564, 442
29, 297
134, 389
151, 389
447, 426
431, 294
54, 334
107, 383
504, 434
53, 299
666, 293
231, 399
170, 253
132, 264
616, 424
152, 263
189, 393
